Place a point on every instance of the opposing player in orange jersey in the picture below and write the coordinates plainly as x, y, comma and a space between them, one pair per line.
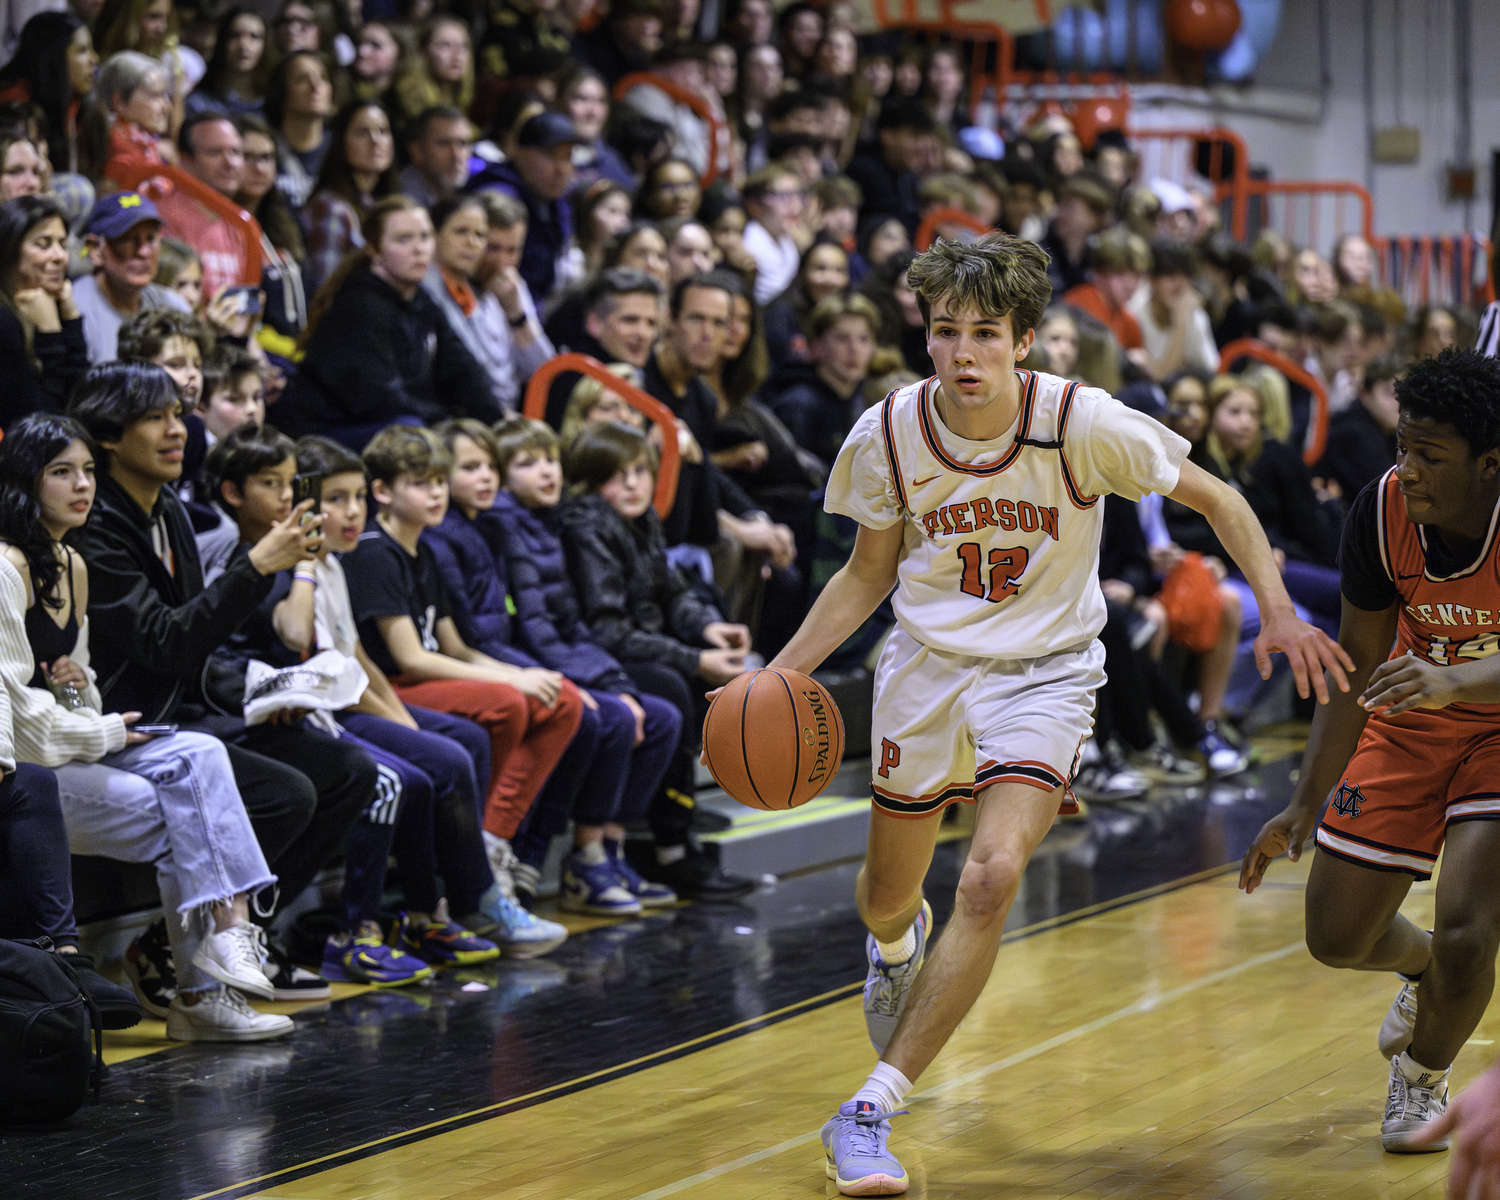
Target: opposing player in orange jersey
1410, 756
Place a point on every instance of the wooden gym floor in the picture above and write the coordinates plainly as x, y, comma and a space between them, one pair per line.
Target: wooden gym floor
1148, 1031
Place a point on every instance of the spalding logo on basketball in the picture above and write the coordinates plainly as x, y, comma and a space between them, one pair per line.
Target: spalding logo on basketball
773, 738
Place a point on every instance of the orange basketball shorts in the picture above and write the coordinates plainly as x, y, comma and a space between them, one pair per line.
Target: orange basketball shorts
1411, 776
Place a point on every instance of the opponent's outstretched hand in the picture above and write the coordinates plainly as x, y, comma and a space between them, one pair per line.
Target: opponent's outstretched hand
1283, 833
1473, 1122
1310, 652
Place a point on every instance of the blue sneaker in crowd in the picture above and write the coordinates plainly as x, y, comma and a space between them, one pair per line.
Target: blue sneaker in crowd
647, 892
856, 1156
363, 957
595, 888
517, 932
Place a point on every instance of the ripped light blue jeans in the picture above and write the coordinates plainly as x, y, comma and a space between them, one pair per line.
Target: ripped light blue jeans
171, 802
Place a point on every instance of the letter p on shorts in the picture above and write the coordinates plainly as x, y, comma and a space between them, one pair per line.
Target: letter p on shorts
890, 756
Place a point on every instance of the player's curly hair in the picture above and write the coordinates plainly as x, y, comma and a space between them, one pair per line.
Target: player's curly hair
1460, 388
999, 275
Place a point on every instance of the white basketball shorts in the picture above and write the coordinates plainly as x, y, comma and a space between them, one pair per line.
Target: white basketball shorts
947, 726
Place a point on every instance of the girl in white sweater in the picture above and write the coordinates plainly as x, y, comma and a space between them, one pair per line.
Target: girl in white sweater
169, 800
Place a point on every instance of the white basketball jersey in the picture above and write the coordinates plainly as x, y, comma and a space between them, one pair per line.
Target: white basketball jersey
1001, 549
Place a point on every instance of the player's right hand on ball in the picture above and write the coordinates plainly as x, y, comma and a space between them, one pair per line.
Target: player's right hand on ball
1283, 833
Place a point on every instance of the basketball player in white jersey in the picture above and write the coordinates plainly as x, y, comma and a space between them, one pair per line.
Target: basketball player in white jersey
977, 496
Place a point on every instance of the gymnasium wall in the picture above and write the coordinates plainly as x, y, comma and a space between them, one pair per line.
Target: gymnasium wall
1301, 130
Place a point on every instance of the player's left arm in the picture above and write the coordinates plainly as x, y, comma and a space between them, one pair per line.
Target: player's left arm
1410, 682
1310, 651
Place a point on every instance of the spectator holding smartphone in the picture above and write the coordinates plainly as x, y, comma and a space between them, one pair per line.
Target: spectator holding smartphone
124, 794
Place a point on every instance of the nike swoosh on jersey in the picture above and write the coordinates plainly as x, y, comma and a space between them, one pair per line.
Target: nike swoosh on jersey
929, 479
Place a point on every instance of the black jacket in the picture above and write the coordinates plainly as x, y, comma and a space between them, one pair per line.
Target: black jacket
1358, 451
637, 606
818, 417
887, 191
153, 631
702, 489
63, 358
376, 357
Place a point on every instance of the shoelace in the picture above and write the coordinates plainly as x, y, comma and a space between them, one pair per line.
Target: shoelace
1407, 1098
864, 1133
245, 946
262, 943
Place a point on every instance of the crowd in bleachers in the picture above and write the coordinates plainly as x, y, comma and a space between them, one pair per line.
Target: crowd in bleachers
291, 517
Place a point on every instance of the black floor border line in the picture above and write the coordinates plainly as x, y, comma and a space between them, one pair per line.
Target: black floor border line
236, 1191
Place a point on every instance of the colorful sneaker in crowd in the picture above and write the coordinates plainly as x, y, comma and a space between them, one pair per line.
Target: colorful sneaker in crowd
594, 887
649, 893
444, 942
222, 1015
519, 933
363, 957
232, 956
149, 966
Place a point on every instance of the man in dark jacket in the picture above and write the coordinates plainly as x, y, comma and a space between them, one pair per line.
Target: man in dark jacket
708, 501
379, 357
539, 176
620, 311
155, 627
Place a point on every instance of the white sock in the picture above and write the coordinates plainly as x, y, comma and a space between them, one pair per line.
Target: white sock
592, 853
498, 851
886, 1088
893, 954
1416, 1074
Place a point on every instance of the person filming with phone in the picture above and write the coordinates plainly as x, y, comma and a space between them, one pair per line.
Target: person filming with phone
121, 793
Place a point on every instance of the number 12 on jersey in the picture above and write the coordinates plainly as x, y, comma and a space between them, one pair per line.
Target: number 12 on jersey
1006, 567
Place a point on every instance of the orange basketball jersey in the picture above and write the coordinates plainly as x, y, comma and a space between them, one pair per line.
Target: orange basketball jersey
1446, 620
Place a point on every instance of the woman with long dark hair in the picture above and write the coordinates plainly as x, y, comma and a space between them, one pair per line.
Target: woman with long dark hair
124, 794
299, 103
42, 349
358, 169
823, 272
235, 80
54, 68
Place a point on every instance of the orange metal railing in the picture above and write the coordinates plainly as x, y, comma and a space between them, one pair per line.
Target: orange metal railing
535, 407
718, 131
1317, 433
158, 180
1305, 212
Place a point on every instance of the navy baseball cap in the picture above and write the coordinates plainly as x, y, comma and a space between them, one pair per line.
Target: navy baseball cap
116, 215
547, 130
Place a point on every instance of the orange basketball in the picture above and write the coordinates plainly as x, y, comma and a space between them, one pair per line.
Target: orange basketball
773, 738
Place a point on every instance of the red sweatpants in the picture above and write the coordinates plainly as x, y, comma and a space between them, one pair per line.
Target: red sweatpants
526, 738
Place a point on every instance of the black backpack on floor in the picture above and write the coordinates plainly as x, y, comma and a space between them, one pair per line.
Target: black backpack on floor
46, 1061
